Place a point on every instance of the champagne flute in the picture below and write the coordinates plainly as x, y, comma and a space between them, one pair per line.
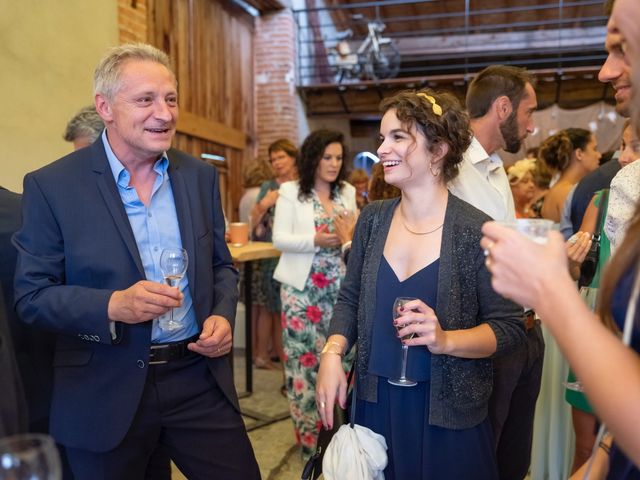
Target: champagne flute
173, 264
29, 456
403, 381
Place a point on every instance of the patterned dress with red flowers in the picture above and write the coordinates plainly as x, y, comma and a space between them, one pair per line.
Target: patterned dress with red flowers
305, 321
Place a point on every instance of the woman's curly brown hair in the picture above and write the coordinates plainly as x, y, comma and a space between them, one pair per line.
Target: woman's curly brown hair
451, 127
557, 150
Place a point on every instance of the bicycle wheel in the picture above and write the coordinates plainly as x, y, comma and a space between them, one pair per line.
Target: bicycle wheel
385, 63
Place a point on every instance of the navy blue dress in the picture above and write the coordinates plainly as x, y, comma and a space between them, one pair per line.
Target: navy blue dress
417, 450
620, 467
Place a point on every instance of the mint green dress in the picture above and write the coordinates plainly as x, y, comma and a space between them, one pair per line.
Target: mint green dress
578, 399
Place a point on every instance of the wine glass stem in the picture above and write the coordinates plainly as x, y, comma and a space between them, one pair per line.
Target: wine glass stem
171, 317
403, 373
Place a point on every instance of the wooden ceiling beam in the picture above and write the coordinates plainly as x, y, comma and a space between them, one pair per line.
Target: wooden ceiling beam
265, 6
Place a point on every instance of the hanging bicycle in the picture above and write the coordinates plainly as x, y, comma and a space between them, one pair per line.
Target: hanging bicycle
375, 58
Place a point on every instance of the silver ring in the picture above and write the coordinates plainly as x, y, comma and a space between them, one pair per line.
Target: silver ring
487, 251
322, 405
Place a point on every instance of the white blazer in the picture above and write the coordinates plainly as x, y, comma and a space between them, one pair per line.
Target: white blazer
294, 231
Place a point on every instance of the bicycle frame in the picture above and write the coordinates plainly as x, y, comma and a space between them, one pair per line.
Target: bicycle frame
369, 58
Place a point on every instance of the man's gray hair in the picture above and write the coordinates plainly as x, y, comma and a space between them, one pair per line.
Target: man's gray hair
85, 123
106, 78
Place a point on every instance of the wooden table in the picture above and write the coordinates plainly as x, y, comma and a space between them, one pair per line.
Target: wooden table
246, 254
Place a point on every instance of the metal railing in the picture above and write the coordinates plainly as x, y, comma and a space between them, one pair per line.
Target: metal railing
444, 37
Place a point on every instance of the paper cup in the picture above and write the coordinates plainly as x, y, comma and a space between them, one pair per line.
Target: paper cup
238, 234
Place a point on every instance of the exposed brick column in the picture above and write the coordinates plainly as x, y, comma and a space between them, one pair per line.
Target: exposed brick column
275, 64
132, 21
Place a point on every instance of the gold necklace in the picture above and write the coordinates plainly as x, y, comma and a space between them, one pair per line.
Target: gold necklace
421, 233
418, 233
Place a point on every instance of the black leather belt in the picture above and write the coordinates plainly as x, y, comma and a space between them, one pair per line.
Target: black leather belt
529, 319
166, 352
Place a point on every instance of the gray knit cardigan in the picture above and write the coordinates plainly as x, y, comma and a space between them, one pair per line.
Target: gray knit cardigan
460, 387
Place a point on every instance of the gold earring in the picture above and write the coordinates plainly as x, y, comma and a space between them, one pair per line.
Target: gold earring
436, 173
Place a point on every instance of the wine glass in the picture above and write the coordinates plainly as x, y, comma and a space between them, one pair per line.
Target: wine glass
29, 456
173, 264
403, 381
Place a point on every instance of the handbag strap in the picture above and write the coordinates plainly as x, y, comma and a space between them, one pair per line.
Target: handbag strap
601, 212
373, 227
352, 408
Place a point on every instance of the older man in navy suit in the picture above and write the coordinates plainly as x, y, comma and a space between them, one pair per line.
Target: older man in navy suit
94, 225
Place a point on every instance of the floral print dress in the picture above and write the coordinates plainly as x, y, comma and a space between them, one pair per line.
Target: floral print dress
305, 322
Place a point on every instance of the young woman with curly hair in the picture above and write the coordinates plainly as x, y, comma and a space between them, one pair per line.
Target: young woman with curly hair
424, 245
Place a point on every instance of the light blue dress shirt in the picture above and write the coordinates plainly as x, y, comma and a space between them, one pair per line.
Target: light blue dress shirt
155, 227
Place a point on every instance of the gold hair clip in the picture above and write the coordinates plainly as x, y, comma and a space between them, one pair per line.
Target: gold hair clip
437, 109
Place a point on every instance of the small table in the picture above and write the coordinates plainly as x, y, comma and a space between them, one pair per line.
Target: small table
247, 254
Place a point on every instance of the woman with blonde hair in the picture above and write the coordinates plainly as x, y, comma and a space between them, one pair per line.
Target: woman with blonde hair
522, 185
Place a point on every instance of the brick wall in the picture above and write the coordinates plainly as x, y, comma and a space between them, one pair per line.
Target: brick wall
132, 21
275, 85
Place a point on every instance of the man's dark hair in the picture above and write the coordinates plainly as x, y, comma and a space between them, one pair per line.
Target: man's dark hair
493, 82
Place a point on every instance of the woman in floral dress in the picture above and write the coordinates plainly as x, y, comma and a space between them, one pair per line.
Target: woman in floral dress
310, 268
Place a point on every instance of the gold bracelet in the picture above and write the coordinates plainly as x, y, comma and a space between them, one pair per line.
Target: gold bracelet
327, 348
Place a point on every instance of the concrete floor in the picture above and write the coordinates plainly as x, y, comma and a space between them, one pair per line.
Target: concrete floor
274, 444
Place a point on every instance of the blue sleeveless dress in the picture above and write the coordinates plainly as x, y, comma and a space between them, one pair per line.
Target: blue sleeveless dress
417, 450
620, 467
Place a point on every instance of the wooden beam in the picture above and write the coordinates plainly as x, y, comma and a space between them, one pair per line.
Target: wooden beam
216, 132
266, 6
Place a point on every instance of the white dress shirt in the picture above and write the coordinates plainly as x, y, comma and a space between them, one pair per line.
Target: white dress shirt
482, 182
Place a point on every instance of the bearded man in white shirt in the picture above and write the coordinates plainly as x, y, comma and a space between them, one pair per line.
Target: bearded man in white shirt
500, 101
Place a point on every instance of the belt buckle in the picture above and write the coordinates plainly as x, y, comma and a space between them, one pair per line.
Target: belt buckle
151, 355
157, 362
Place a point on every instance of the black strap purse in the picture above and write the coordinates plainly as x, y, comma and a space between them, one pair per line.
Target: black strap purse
590, 263
313, 468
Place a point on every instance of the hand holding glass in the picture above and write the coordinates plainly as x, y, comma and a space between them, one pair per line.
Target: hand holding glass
535, 229
31, 456
403, 381
173, 264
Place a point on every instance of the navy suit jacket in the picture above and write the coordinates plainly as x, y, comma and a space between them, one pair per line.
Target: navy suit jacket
33, 347
75, 248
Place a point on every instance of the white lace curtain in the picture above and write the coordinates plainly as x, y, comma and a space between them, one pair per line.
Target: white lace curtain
600, 118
